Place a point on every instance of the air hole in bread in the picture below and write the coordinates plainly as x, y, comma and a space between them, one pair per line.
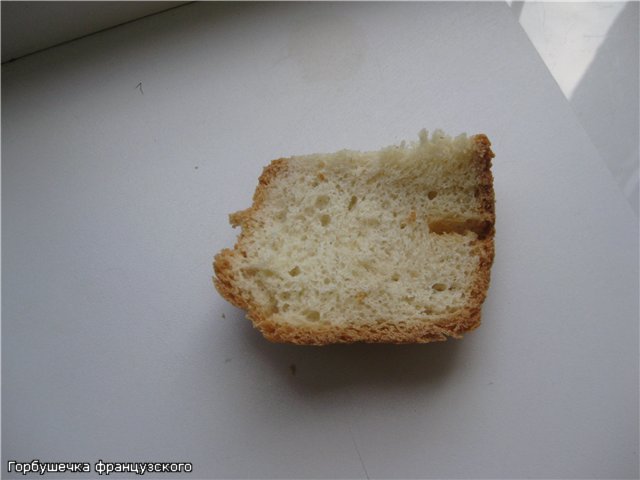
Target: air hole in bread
366, 265
439, 287
295, 271
352, 202
249, 272
409, 299
481, 228
312, 315
375, 178
322, 201
325, 220
432, 194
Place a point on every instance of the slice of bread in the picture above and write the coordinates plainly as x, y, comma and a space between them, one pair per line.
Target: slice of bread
393, 246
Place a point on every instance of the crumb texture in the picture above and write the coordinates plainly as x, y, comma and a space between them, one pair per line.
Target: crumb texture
387, 246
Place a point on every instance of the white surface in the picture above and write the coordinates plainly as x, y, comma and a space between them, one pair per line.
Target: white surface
113, 341
592, 50
567, 35
31, 26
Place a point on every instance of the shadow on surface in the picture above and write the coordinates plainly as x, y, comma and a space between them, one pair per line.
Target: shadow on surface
314, 370
606, 101
173, 30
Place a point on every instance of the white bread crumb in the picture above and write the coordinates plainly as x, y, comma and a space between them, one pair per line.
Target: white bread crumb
387, 246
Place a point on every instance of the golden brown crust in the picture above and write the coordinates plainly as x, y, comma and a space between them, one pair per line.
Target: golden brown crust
225, 281
452, 325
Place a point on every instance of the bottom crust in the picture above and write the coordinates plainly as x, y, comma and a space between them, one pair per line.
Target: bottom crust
382, 332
